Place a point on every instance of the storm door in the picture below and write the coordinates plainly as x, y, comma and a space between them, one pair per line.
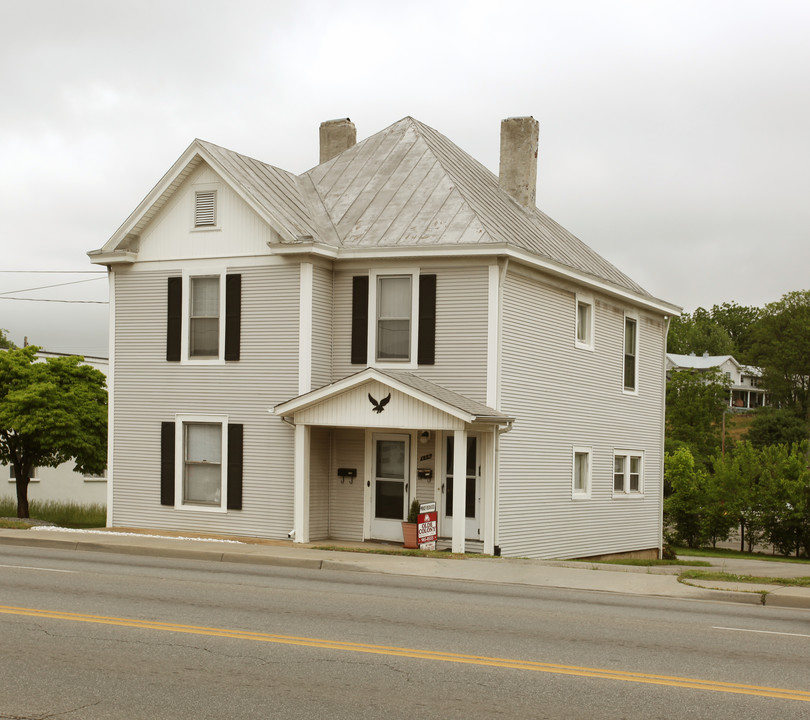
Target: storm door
389, 497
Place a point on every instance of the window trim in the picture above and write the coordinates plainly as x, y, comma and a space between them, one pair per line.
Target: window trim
371, 349
585, 492
205, 188
12, 479
185, 331
587, 300
627, 390
180, 422
626, 492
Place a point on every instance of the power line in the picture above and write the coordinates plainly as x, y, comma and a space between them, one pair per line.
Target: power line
81, 302
46, 287
56, 272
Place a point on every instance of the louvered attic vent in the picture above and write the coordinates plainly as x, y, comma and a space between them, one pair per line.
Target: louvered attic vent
205, 208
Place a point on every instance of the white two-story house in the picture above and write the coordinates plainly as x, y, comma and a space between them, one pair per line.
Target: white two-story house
305, 354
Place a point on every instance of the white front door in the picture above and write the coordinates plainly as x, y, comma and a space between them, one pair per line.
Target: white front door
473, 496
389, 488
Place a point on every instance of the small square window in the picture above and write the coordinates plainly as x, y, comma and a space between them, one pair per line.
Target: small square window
581, 475
628, 473
205, 208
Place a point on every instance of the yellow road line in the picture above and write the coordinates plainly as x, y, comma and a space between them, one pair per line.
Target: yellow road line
482, 660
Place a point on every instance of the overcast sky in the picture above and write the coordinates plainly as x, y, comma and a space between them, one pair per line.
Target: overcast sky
674, 136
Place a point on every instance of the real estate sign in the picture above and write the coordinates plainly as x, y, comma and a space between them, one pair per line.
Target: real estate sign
427, 526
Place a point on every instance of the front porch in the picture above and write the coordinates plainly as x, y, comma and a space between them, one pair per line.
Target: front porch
369, 445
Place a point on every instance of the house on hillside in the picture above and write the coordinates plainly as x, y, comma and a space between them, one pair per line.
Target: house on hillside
745, 393
62, 483
303, 355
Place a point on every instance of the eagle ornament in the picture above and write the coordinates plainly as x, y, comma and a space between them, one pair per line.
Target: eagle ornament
379, 406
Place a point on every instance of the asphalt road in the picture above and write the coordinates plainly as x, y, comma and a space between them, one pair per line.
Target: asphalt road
92, 635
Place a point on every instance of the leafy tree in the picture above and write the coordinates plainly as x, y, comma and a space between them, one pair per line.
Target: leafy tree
739, 473
5, 343
696, 402
50, 412
784, 484
739, 322
698, 333
782, 348
683, 509
776, 426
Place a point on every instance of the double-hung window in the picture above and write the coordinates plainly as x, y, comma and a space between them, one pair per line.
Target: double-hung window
201, 463
204, 312
584, 322
630, 354
628, 476
581, 475
394, 319
204, 318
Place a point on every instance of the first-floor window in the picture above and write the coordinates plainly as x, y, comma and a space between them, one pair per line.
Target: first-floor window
202, 466
201, 463
627, 472
581, 478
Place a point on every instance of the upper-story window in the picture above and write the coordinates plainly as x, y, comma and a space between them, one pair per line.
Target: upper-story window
203, 322
584, 322
204, 311
394, 319
630, 354
205, 208
394, 311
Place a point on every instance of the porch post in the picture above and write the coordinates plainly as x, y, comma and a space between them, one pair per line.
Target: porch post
488, 492
301, 484
459, 489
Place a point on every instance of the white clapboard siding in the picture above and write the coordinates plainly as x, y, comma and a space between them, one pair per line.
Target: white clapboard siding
461, 327
149, 390
564, 396
238, 229
321, 327
319, 473
346, 498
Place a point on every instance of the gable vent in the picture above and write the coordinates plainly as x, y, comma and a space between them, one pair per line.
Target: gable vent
205, 208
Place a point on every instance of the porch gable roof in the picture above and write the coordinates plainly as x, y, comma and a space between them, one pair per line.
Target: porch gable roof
347, 402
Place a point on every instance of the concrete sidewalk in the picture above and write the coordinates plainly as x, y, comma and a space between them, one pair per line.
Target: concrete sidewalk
659, 581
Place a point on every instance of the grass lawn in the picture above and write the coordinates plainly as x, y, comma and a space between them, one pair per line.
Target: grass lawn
755, 579
725, 553
63, 514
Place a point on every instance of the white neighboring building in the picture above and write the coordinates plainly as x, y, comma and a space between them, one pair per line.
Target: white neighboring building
62, 483
745, 379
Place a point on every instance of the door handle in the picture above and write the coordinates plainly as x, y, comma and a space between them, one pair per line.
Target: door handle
407, 486
368, 483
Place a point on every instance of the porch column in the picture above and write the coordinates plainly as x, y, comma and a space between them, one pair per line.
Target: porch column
301, 484
488, 492
459, 489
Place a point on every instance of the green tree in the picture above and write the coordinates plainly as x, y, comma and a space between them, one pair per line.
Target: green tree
683, 509
784, 488
739, 322
776, 426
696, 402
50, 412
5, 343
698, 333
782, 349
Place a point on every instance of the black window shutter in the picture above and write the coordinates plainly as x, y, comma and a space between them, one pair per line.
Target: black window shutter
174, 321
426, 352
167, 463
360, 320
233, 316
235, 437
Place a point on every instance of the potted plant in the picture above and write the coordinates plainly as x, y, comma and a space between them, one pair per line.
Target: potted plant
409, 526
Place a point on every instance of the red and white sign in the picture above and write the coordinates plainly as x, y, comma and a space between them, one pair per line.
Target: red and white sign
427, 527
